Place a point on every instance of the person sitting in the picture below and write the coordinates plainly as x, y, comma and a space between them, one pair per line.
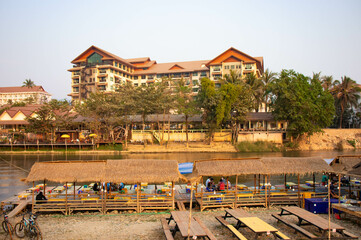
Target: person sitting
95, 187
121, 186
210, 185
324, 179
221, 185
40, 198
207, 181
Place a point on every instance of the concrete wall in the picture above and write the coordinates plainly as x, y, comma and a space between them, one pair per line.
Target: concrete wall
218, 136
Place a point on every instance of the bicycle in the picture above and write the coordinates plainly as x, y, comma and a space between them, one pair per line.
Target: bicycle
7, 227
28, 227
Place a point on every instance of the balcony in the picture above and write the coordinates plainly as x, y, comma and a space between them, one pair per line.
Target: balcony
218, 69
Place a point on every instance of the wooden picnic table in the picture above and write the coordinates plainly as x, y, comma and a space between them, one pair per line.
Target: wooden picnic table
348, 208
181, 219
255, 224
311, 218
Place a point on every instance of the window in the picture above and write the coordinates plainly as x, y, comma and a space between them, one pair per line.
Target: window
95, 58
76, 89
186, 74
195, 90
195, 74
232, 66
135, 84
248, 66
226, 67
120, 65
143, 84
143, 76
135, 77
116, 64
203, 74
111, 79
159, 75
195, 82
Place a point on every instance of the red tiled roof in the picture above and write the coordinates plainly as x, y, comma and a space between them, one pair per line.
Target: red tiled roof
22, 89
14, 122
189, 66
138, 60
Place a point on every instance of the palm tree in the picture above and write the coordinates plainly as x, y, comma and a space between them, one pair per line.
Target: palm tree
28, 83
347, 94
267, 78
328, 83
232, 77
256, 87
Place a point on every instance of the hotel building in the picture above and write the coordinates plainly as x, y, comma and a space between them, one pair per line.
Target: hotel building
19, 94
98, 70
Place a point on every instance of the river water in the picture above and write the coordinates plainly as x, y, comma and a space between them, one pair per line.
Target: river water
14, 167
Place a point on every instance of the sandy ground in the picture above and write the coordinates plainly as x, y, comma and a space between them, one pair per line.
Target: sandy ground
147, 225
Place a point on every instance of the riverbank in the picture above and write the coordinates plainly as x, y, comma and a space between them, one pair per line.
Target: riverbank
147, 226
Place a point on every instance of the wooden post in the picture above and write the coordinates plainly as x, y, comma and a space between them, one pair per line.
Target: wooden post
32, 200
259, 182
329, 208
339, 188
74, 190
201, 192
285, 182
66, 198
265, 190
314, 185
44, 188
227, 184
255, 183
235, 193
298, 190
138, 206
190, 210
173, 205
349, 187
269, 188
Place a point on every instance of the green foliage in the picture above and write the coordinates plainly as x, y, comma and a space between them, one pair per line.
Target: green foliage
352, 142
28, 83
302, 102
259, 146
291, 145
114, 147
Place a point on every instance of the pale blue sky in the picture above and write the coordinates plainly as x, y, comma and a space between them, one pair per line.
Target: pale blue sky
39, 39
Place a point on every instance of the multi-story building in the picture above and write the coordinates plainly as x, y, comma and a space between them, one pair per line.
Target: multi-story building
98, 70
18, 94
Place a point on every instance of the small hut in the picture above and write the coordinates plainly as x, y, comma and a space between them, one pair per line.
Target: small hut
257, 167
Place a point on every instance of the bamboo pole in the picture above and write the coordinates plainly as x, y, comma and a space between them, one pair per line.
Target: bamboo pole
201, 192
339, 188
138, 195
44, 188
66, 198
190, 211
74, 190
329, 209
32, 200
314, 185
269, 188
255, 182
173, 205
259, 182
265, 190
349, 187
285, 182
235, 193
298, 190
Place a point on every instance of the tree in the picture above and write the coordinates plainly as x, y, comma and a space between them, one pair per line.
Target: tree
302, 102
267, 79
328, 83
28, 83
235, 103
347, 94
185, 103
208, 100
232, 77
256, 89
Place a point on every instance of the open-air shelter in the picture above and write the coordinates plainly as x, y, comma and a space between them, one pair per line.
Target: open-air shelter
254, 166
128, 171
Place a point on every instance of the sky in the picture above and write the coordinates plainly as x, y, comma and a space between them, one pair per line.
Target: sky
39, 39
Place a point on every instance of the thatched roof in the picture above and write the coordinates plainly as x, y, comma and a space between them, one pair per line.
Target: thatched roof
295, 165
67, 171
132, 171
344, 164
128, 171
272, 166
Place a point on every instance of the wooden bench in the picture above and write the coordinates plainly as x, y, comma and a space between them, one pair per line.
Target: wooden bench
166, 229
209, 233
230, 227
294, 226
181, 206
281, 235
348, 234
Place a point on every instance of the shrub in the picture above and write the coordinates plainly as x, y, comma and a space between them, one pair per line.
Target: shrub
259, 146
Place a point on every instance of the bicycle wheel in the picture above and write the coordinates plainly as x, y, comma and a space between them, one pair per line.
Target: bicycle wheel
39, 236
7, 227
20, 230
34, 233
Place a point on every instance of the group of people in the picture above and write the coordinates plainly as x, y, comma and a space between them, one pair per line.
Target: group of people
108, 186
221, 186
